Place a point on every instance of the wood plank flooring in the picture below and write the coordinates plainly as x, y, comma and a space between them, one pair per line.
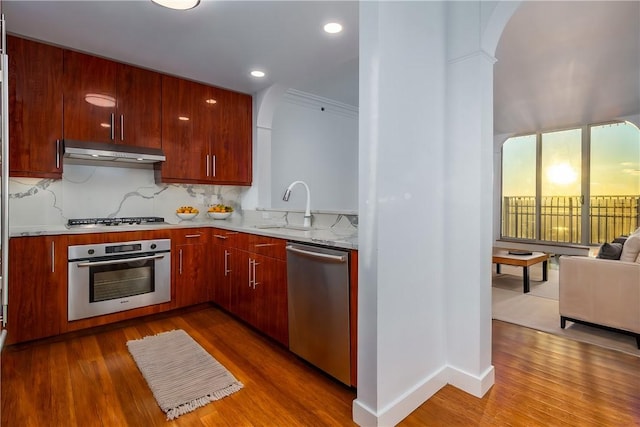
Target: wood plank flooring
89, 379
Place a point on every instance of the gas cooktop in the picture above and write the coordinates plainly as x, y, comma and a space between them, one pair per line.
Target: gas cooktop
112, 222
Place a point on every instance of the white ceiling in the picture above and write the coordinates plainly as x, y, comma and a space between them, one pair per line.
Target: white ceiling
218, 42
562, 64
559, 63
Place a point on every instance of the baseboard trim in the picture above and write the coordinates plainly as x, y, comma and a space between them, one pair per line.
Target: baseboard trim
403, 406
411, 400
472, 384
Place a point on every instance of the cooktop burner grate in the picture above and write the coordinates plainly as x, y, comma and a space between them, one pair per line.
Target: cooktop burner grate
109, 222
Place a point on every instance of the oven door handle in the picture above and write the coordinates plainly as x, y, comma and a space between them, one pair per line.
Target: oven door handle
118, 261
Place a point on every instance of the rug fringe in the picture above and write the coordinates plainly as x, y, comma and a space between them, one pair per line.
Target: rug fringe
187, 407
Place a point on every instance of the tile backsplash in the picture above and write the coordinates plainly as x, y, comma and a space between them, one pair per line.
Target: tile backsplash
104, 191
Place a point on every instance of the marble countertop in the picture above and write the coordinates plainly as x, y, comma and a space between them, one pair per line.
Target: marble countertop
339, 237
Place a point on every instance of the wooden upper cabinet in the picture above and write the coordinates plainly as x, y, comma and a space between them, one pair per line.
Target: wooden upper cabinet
231, 143
185, 154
206, 134
139, 109
105, 101
35, 109
89, 97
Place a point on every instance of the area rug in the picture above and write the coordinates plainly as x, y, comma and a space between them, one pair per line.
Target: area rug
180, 373
542, 314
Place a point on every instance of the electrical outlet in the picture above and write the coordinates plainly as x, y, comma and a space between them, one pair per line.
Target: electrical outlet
265, 215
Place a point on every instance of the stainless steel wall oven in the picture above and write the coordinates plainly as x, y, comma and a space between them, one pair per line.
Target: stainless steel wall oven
111, 277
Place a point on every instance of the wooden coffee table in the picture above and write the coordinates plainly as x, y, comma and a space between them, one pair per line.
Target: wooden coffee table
502, 256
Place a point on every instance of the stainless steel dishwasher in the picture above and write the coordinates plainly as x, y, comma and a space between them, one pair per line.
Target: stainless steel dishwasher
318, 291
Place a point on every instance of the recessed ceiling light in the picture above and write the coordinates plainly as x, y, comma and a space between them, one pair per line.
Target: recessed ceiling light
177, 4
257, 73
333, 27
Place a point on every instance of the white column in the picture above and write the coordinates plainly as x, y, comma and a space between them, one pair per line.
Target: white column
402, 347
469, 220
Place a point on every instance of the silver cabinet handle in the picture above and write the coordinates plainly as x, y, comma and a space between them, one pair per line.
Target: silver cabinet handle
57, 154
121, 127
113, 123
213, 165
226, 262
264, 245
180, 263
191, 236
220, 236
255, 280
207, 164
250, 279
121, 261
335, 258
53, 257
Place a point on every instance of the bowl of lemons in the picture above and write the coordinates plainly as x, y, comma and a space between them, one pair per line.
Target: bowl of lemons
187, 212
219, 211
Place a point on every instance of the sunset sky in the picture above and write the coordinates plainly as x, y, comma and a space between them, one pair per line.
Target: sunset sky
615, 162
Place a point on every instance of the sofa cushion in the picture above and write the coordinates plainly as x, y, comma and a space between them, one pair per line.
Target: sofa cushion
620, 239
631, 248
610, 251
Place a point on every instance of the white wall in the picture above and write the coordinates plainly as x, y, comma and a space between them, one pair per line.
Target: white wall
314, 140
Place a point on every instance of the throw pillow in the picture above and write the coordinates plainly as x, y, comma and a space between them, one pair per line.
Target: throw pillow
610, 251
620, 239
631, 248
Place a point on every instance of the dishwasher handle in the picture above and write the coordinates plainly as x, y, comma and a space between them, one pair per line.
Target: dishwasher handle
318, 255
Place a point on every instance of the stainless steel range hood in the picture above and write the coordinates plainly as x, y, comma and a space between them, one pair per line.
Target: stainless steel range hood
106, 152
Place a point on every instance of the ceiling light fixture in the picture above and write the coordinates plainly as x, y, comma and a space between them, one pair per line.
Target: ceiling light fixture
333, 28
257, 73
177, 4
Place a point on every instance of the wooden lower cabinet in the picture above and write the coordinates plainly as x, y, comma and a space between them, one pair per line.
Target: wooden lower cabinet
190, 267
224, 265
259, 295
37, 287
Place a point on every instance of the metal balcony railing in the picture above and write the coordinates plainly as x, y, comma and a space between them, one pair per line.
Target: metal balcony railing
560, 218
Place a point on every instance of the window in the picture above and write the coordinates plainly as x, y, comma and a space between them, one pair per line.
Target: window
572, 186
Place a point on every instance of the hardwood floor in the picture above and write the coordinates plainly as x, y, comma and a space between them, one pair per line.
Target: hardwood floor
89, 379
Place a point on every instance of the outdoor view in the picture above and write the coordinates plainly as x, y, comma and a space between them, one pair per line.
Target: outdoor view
568, 187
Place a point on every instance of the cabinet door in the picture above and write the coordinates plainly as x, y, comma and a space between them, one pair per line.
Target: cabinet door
37, 290
89, 97
243, 296
231, 139
190, 267
35, 109
139, 109
270, 286
185, 154
191, 275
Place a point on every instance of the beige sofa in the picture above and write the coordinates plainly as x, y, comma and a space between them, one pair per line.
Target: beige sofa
601, 292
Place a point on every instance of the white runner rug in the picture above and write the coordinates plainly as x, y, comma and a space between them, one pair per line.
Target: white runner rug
180, 373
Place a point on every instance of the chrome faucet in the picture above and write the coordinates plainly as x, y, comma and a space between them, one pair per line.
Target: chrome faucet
307, 212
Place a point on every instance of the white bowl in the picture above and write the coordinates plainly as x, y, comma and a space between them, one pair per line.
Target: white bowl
219, 215
186, 215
